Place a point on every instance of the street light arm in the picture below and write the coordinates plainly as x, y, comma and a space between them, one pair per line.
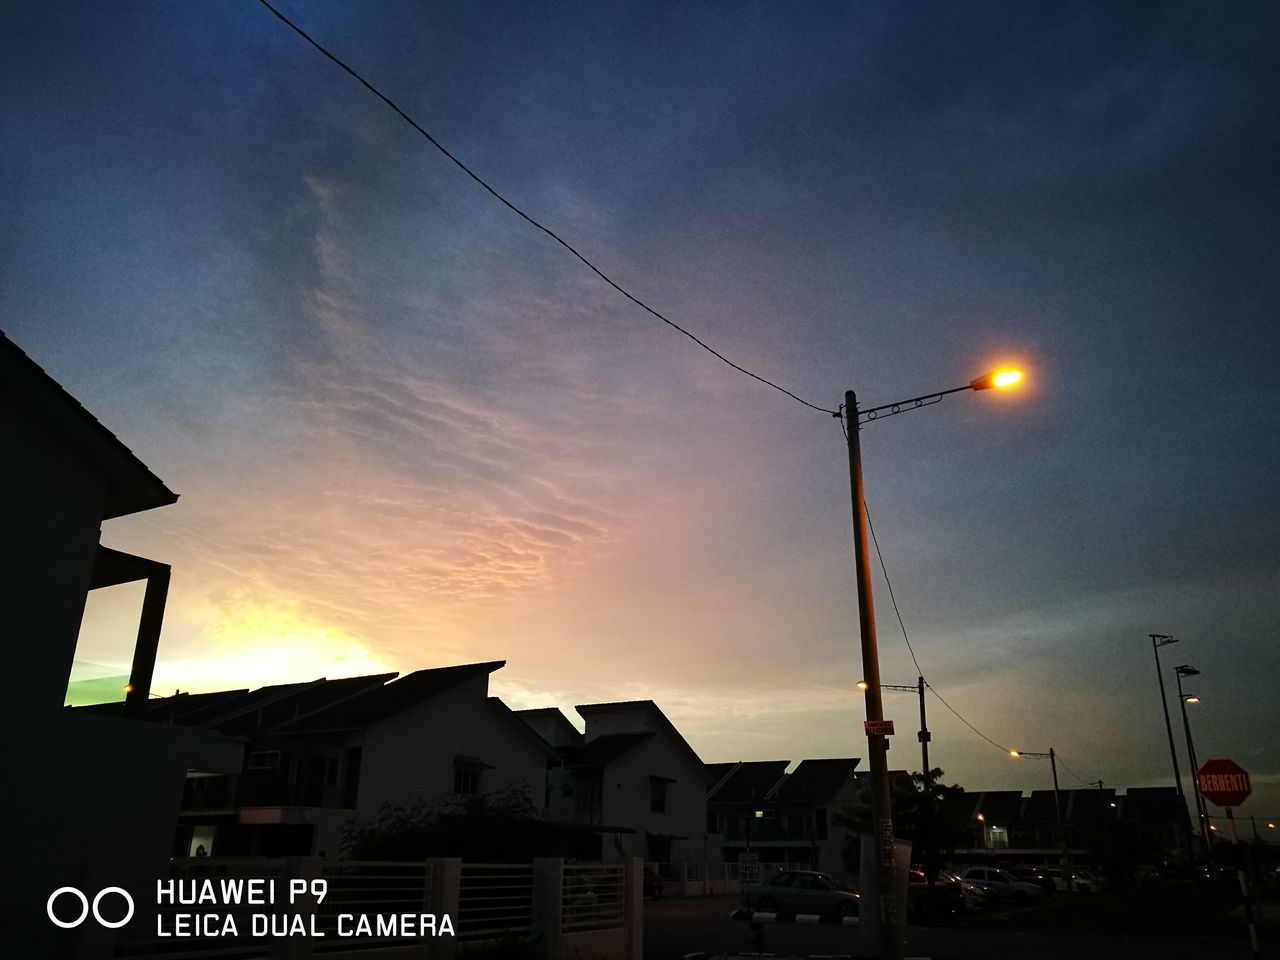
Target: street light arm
915, 402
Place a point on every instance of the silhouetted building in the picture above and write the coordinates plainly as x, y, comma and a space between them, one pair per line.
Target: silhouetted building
79, 787
631, 775
757, 807
319, 754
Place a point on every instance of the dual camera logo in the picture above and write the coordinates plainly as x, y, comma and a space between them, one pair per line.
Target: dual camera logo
85, 908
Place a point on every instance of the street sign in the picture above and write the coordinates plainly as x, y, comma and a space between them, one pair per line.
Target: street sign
878, 728
1223, 782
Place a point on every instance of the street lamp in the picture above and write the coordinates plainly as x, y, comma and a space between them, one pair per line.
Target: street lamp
1052, 757
1159, 640
883, 922
1202, 812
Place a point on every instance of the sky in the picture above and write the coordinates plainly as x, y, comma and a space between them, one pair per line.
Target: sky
410, 430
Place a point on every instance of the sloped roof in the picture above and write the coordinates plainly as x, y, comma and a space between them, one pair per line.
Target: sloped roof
509, 715
1153, 804
1088, 806
1040, 806
129, 486
586, 709
749, 781
296, 702
816, 781
602, 751
377, 703
716, 772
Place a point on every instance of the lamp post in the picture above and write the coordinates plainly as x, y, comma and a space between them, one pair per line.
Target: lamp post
1159, 640
883, 919
1202, 812
1052, 757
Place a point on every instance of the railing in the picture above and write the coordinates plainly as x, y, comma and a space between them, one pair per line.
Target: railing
495, 899
359, 887
593, 896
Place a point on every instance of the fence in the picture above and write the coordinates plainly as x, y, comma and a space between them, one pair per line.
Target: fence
553, 909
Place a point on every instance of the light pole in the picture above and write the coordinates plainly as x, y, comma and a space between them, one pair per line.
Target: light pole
883, 920
1052, 757
1159, 640
924, 737
1202, 813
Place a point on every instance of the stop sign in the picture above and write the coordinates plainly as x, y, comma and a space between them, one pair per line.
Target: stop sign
1223, 782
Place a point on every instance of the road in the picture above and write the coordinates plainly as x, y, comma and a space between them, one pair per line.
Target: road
676, 927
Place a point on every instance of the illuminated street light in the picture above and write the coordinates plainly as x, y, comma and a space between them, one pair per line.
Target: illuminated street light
862, 684
883, 920
1015, 754
1202, 811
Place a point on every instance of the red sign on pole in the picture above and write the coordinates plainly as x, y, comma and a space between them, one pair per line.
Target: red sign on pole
1223, 782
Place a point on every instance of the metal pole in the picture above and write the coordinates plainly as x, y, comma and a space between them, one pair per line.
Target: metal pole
1057, 808
1244, 887
882, 892
1202, 813
1164, 705
930, 839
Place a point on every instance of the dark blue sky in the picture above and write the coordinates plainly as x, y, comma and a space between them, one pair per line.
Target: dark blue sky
409, 430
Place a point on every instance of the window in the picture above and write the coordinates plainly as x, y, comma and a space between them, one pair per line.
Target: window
264, 760
658, 795
331, 772
820, 824
466, 781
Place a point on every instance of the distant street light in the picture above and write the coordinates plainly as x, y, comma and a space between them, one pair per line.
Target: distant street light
883, 919
1202, 811
1159, 640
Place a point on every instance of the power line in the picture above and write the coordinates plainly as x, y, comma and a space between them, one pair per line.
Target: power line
999, 746
889, 584
529, 219
1064, 765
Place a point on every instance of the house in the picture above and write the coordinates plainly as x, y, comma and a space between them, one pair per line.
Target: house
322, 753
81, 787
758, 808
629, 774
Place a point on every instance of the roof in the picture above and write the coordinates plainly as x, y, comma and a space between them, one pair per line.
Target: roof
129, 486
602, 751
1153, 804
716, 772
816, 781
748, 781
348, 703
379, 702
585, 710
1086, 806
1040, 806
509, 715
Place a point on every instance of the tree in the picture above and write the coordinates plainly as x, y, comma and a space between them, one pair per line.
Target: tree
934, 825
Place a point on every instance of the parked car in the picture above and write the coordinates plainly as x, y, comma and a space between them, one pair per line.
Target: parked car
1034, 875
801, 891
1003, 886
1082, 881
944, 901
975, 897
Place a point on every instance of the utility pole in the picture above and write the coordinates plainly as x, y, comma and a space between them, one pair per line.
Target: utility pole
1202, 809
930, 839
1159, 640
884, 912
1057, 808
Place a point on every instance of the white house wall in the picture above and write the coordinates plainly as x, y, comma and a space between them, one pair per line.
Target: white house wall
409, 757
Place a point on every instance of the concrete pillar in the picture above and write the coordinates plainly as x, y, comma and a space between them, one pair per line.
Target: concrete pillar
443, 895
633, 907
548, 905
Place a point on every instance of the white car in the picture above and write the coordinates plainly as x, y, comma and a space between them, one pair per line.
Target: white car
1001, 885
1082, 881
